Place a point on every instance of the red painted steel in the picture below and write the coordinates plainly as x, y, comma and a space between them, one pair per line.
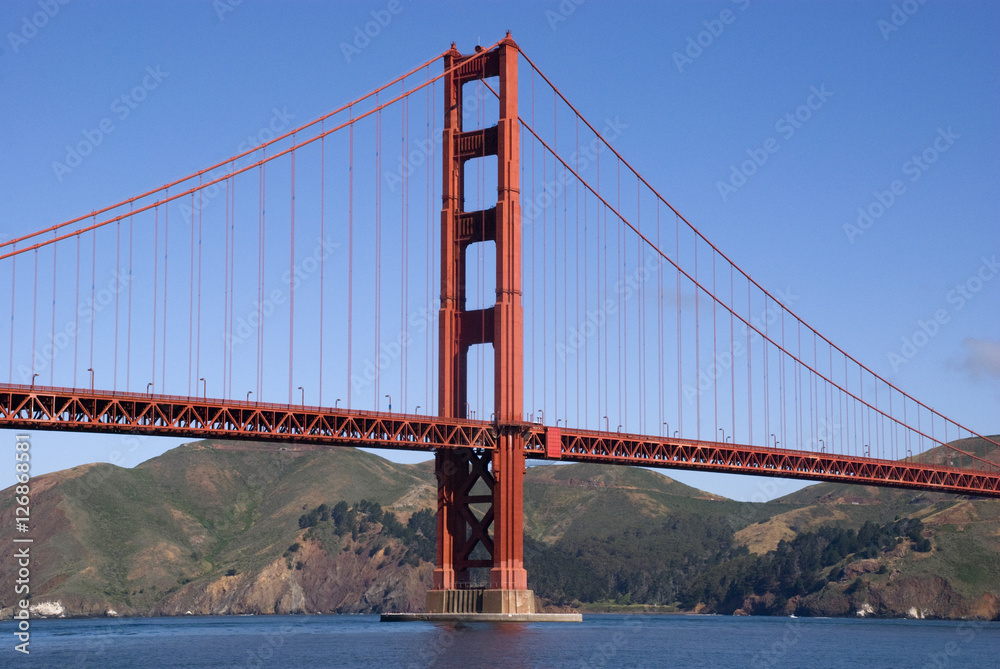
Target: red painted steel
43, 408
460, 531
630, 449
553, 443
508, 571
25, 407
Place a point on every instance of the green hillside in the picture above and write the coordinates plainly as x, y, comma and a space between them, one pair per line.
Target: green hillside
234, 527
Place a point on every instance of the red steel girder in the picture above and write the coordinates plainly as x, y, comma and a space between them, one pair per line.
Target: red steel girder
42, 408
647, 451
25, 407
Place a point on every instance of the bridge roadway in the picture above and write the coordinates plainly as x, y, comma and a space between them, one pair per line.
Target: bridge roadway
24, 407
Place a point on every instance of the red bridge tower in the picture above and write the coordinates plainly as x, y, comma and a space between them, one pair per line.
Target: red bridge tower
460, 532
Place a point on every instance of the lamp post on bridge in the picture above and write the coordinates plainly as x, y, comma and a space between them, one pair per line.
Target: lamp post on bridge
249, 393
390, 402
33, 377
336, 404
303, 395
607, 424
148, 386
775, 440
91, 370
204, 388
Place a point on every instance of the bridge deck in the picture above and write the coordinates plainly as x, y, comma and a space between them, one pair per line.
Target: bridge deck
46, 408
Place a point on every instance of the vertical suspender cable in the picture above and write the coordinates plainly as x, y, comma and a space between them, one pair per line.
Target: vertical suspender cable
534, 227
292, 281
428, 195
749, 374
227, 341
576, 313
118, 256
715, 351
428, 400
620, 266
732, 352
232, 269
542, 403
697, 345
641, 278
34, 316
322, 256
197, 368
555, 258
128, 336
782, 381
680, 362
260, 275
403, 278
659, 322
350, 252
13, 295
52, 360
191, 301
378, 248
156, 278
93, 292
76, 313
166, 256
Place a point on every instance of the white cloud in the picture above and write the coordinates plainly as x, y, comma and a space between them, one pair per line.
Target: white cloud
982, 357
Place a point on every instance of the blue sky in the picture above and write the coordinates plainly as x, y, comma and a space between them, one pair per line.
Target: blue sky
701, 87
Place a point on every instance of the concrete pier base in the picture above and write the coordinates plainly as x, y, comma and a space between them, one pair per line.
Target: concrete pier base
482, 617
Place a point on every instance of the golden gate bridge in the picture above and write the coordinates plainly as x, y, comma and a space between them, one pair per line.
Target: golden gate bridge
464, 240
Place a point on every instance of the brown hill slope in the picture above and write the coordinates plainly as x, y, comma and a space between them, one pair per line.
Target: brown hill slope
218, 527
